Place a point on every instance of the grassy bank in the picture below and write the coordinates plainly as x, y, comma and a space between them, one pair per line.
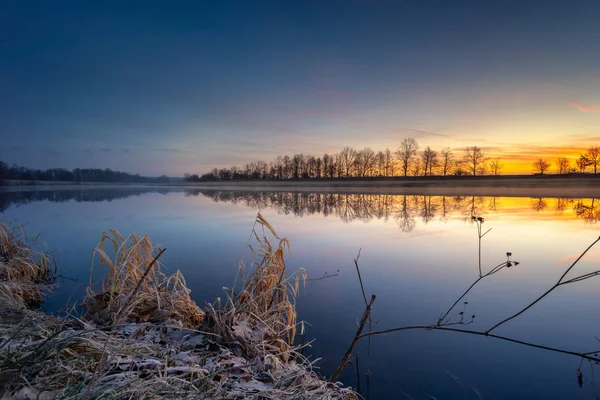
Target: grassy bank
138, 334
576, 185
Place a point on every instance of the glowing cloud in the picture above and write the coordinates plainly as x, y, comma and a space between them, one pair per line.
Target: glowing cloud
595, 109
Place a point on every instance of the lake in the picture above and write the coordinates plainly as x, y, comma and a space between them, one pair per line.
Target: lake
418, 254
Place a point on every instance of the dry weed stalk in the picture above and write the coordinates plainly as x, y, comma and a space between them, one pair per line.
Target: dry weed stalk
262, 314
251, 357
446, 324
25, 273
134, 288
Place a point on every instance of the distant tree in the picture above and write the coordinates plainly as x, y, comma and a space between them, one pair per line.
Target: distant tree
540, 166
474, 159
347, 158
388, 163
583, 162
593, 156
417, 167
459, 169
563, 165
496, 166
3, 169
405, 153
380, 157
430, 160
446, 157
364, 162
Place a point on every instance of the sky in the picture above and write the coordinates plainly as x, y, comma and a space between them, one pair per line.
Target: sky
157, 87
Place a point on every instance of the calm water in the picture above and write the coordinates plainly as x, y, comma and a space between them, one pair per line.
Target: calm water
419, 253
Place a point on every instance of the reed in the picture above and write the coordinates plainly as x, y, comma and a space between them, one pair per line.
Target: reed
141, 335
26, 274
134, 287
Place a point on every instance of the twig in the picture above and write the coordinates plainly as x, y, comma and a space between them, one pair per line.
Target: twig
557, 284
368, 368
479, 333
491, 272
325, 276
360, 278
357, 336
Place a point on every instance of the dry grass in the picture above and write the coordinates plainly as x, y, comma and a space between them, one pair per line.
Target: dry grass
25, 273
243, 349
134, 288
261, 315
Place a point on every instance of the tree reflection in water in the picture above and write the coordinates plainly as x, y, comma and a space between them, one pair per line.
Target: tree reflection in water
405, 210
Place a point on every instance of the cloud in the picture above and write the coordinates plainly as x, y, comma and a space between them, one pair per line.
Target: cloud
105, 150
420, 133
592, 109
128, 151
586, 139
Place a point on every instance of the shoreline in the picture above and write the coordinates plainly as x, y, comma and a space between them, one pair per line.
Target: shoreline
559, 186
140, 335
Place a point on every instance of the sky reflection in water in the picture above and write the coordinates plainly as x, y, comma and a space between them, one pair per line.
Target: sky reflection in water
418, 254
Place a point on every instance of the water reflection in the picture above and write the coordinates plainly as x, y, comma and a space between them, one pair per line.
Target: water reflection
407, 211
10, 198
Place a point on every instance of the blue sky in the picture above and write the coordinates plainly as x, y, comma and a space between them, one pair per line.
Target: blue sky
168, 87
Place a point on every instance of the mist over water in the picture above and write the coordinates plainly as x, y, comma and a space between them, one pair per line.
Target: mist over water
419, 253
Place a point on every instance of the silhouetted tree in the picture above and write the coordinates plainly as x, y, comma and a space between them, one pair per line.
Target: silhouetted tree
405, 153
347, 158
563, 165
540, 166
365, 162
430, 160
474, 160
388, 163
417, 167
582, 163
593, 156
446, 160
496, 166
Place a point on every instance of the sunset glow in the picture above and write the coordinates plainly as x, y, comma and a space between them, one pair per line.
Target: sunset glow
175, 89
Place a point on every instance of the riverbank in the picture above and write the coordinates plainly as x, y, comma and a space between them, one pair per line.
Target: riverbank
138, 334
558, 186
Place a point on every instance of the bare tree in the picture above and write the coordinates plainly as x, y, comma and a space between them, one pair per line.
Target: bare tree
365, 162
583, 162
417, 167
496, 166
348, 158
380, 163
406, 151
388, 162
430, 160
474, 159
459, 168
446, 160
540, 166
593, 156
563, 164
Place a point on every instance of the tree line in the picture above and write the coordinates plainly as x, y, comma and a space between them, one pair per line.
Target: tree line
16, 172
589, 159
406, 160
